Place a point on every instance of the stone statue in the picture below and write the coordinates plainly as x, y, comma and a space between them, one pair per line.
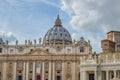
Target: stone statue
34, 41
40, 40
28, 42
7, 42
25, 42
16, 42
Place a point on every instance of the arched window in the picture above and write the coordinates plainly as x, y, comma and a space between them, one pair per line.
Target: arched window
82, 49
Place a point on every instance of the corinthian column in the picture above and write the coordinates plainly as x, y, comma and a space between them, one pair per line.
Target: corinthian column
4, 70
14, 75
33, 76
84, 75
107, 75
114, 73
49, 71
43, 70
73, 70
96, 75
24, 67
27, 70
63, 70
53, 75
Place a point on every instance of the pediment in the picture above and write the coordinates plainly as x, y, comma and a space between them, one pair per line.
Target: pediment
39, 52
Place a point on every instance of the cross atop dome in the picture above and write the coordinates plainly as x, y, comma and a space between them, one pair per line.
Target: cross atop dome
58, 21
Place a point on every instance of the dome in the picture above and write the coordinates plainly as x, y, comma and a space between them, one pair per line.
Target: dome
57, 35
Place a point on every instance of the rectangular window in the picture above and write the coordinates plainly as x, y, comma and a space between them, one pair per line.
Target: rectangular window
38, 67
11, 50
68, 50
81, 49
46, 65
91, 76
0, 50
30, 66
58, 65
20, 65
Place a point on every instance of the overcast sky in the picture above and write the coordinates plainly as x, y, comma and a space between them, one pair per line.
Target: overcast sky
31, 19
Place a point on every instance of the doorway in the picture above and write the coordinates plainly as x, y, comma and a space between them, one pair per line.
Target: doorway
91, 76
19, 77
58, 78
38, 77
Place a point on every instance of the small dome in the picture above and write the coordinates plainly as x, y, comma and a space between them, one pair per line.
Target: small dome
57, 34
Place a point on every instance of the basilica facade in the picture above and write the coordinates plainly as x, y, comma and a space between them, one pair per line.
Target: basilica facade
57, 57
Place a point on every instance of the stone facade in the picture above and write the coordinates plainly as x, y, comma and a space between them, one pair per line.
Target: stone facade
100, 67
56, 58
103, 66
112, 43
